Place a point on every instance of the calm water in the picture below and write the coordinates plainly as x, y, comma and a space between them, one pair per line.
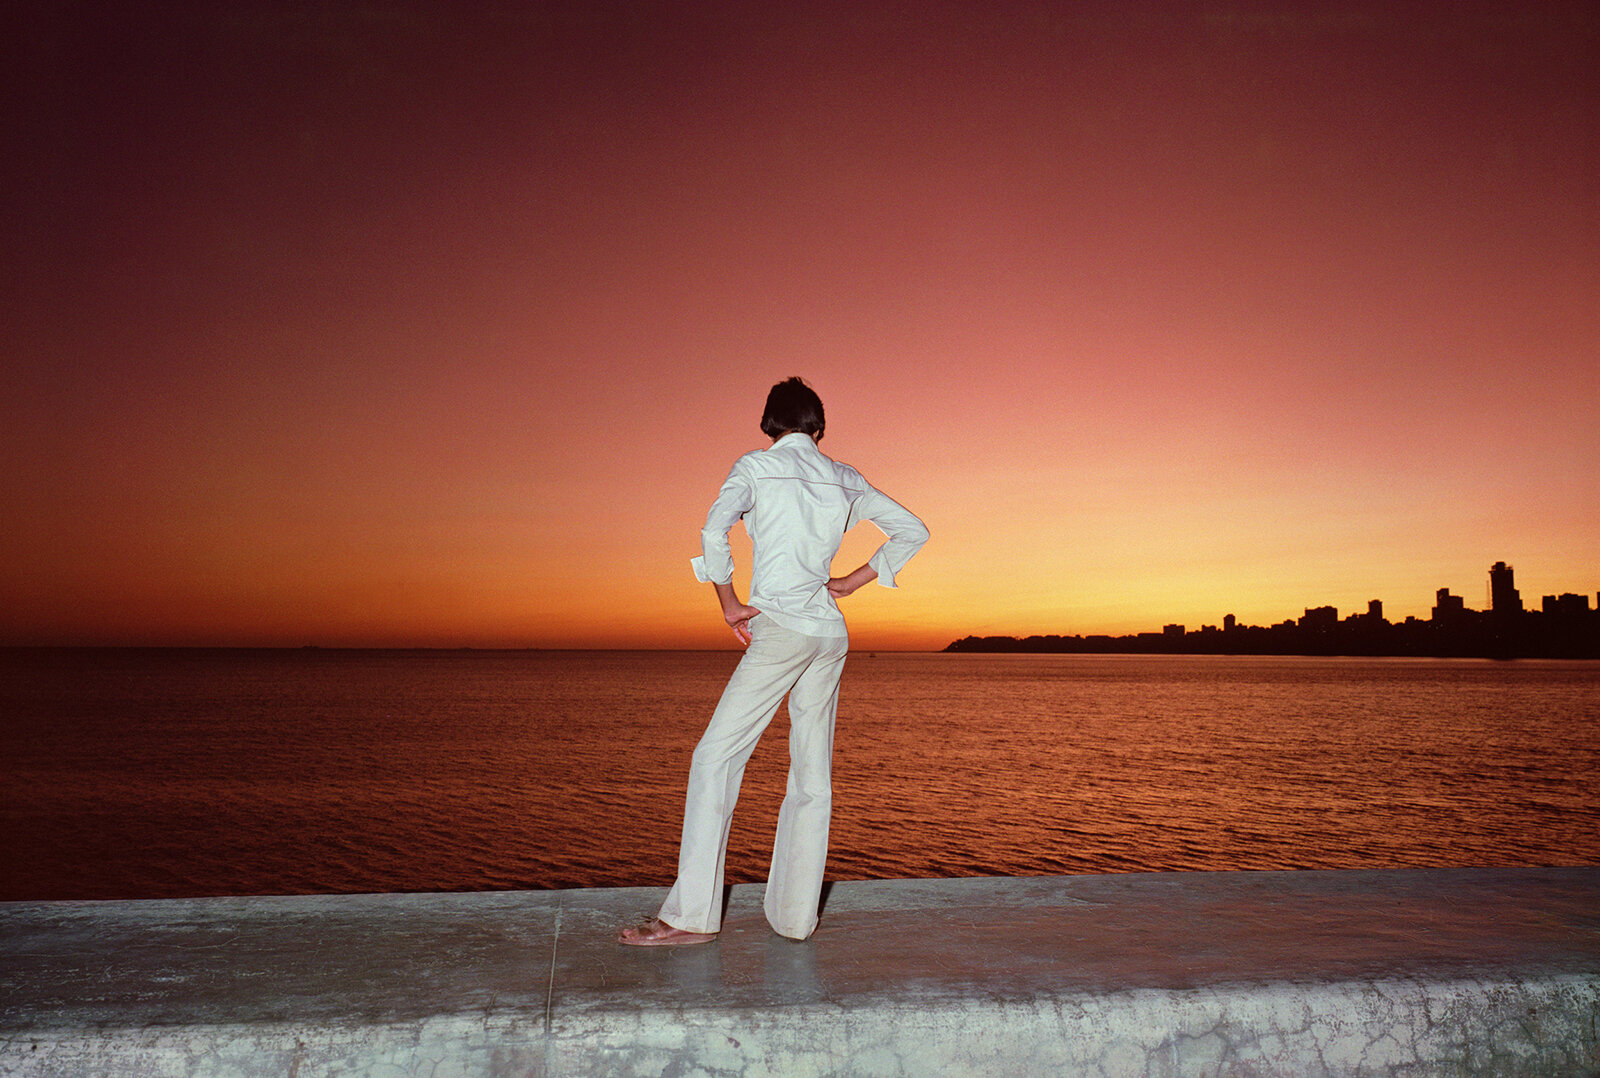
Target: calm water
141, 774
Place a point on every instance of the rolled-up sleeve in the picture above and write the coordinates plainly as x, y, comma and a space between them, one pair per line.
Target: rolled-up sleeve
905, 532
715, 563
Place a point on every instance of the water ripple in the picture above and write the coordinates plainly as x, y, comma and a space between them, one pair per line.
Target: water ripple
165, 774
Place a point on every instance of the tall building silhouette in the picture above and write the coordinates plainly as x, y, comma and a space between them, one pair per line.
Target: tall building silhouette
1503, 597
1562, 627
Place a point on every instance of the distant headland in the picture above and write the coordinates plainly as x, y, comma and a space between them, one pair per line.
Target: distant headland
1564, 627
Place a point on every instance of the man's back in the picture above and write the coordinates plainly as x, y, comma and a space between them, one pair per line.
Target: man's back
796, 504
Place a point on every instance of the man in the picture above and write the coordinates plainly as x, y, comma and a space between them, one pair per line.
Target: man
796, 504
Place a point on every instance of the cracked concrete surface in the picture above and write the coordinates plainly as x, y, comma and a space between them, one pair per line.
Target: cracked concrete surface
1439, 971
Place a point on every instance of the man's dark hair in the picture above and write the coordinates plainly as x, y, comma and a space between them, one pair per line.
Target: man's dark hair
793, 406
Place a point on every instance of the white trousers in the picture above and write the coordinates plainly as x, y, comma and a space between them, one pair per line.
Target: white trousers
776, 662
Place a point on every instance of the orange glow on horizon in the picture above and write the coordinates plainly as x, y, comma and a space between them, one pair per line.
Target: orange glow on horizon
445, 332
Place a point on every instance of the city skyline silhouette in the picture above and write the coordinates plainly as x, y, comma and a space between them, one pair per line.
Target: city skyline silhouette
1563, 627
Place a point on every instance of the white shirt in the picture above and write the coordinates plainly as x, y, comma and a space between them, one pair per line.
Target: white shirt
797, 504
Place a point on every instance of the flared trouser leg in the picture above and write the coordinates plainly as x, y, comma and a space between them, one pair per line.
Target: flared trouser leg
800, 851
776, 662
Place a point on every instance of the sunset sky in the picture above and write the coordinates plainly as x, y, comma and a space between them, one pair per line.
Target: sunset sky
371, 324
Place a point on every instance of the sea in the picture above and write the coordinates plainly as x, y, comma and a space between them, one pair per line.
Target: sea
171, 773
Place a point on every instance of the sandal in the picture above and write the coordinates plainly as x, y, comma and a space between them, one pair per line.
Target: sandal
657, 933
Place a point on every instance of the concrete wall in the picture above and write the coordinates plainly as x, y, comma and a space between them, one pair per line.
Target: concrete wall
1433, 972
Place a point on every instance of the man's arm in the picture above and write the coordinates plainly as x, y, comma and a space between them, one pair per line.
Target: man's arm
905, 533
715, 564
735, 613
736, 497
840, 586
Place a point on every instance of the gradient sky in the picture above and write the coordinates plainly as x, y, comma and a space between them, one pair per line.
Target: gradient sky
376, 325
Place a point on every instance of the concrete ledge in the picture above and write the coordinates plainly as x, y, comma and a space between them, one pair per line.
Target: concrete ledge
1431, 972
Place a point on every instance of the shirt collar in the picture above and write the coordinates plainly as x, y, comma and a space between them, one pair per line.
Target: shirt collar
795, 438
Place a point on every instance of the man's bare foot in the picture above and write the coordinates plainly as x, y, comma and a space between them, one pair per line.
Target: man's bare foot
657, 933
